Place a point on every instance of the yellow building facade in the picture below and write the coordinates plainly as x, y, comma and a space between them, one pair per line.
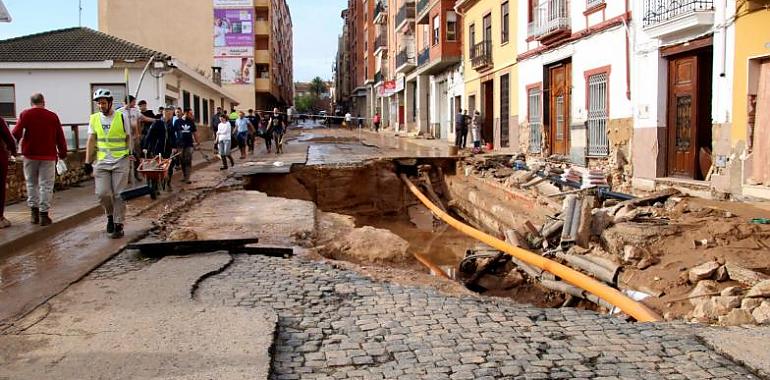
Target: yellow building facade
489, 61
750, 133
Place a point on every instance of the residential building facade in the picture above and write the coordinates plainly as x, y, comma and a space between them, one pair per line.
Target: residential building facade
490, 68
263, 76
682, 90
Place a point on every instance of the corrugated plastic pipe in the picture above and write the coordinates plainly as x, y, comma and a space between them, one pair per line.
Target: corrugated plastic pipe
614, 297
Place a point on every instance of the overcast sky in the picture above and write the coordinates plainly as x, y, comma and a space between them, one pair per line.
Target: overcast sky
317, 24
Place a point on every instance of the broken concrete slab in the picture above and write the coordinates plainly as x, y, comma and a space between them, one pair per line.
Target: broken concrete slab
762, 313
750, 347
703, 271
116, 328
736, 317
744, 275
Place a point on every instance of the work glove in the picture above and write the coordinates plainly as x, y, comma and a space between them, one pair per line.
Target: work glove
88, 168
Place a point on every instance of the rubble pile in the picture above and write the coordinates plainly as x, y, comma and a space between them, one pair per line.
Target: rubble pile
633, 244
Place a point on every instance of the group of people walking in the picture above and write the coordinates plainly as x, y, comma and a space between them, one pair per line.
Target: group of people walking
238, 130
464, 122
117, 141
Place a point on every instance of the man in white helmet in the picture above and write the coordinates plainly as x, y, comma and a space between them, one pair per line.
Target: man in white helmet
109, 134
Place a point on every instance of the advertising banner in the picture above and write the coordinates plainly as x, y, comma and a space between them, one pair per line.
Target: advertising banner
238, 51
236, 70
233, 27
233, 3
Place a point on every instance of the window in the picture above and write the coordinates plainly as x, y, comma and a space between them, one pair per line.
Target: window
504, 24
471, 39
7, 101
598, 142
205, 111
505, 106
185, 100
487, 28
197, 108
451, 26
118, 91
436, 30
534, 119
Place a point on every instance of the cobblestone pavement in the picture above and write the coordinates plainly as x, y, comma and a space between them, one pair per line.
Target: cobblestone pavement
337, 324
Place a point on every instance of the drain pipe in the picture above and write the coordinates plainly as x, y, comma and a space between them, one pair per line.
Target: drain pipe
614, 297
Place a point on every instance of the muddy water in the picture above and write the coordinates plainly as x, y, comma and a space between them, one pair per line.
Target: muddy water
434, 241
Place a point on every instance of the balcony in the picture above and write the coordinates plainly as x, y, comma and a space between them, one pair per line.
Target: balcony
481, 56
424, 57
593, 3
381, 44
405, 61
422, 10
380, 13
671, 19
262, 28
551, 23
378, 77
405, 14
261, 56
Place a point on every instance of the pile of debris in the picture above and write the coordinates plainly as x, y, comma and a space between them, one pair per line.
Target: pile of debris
747, 303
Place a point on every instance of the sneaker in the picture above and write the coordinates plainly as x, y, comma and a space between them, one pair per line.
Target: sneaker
118, 233
44, 219
110, 224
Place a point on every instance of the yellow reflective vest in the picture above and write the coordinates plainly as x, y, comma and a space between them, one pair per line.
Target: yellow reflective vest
113, 141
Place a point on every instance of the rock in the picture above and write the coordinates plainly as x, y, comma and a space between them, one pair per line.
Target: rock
703, 271
727, 303
367, 244
737, 317
600, 220
731, 291
702, 289
762, 313
708, 310
749, 304
647, 262
760, 290
632, 254
183, 235
721, 274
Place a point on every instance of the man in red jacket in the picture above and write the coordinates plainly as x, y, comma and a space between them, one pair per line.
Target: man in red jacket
42, 141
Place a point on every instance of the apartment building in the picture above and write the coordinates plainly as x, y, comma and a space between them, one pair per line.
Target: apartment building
245, 44
574, 90
490, 68
683, 68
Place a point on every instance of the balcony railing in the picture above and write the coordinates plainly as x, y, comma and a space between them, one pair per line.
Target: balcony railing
379, 8
404, 58
423, 57
481, 55
405, 12
422, 5
593, 3
378, 77
659, 11
550, 16
381, 42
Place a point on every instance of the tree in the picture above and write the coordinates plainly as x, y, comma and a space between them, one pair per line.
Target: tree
317, 87
304, 103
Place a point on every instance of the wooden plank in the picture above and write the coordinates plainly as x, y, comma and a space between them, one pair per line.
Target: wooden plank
166, 248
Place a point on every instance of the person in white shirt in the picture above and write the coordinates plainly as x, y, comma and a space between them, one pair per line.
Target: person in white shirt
135, 117
348, 120
224, 133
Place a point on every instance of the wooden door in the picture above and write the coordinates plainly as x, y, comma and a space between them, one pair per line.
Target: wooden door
682, 118
558, 118
488, 112
760, 173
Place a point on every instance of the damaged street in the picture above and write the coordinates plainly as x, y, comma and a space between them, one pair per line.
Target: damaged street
322, 263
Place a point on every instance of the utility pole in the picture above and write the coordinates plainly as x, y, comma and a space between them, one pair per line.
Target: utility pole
80, 13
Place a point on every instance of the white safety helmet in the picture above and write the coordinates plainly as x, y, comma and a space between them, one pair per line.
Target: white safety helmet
102, 93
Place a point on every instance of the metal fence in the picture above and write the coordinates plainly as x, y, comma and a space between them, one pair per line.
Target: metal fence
658, 11
535, 120
598, 142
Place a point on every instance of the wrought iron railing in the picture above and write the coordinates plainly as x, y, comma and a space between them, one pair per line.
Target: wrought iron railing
481, 55
592, 3
422, 5
381, 42
423, 57
379, 8
550, 16
658, 11
406, 11
404, 57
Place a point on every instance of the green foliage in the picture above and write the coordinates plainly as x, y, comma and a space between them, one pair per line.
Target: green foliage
317, 86
304, 103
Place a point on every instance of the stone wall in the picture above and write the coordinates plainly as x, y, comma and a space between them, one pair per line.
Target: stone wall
15, 186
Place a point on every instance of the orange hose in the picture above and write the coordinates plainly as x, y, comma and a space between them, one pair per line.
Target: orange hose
613, 296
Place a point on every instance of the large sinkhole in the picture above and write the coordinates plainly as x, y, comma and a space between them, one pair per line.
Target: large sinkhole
372, 194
